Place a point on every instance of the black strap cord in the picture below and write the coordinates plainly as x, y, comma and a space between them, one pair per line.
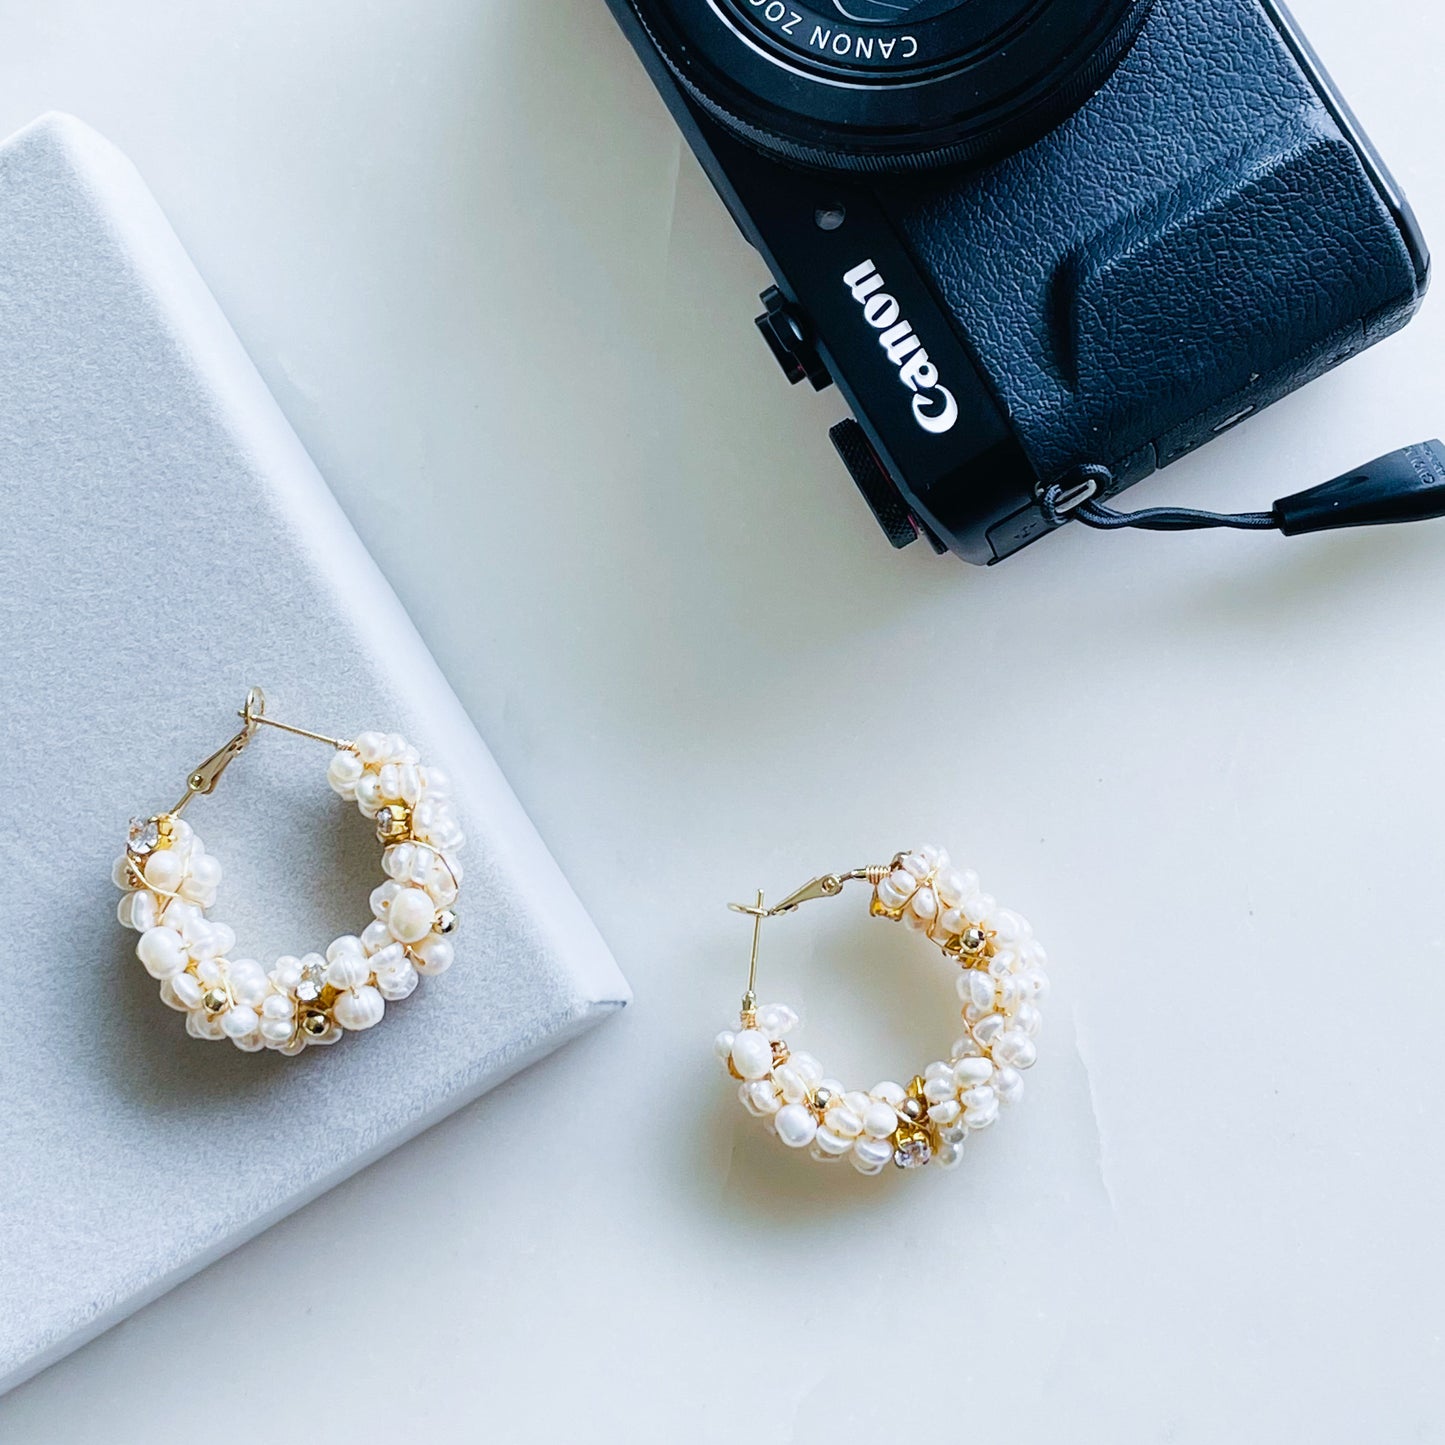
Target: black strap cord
1405, 486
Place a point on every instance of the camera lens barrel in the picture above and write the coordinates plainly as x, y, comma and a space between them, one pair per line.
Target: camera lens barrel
876, 86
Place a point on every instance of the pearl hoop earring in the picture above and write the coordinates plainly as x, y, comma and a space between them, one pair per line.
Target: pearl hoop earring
1002, 985
170, 881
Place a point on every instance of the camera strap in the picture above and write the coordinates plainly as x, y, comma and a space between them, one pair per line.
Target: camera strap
1406, 486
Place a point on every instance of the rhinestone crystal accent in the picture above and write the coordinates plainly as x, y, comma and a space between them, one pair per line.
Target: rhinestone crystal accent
913, 1153
313, 977
144, 837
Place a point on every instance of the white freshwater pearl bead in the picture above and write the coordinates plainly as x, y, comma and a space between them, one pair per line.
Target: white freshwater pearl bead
1015, 1047
796, 1126
368, 794
213, 940
1001, 964
249, 984
917, 865
375, 936
371, 747
202, 880
970, 1071
776, 1019
358, 1008
843, 1122
950, 888
433, 955
874, 1151
809, 1069
1008, 1084
832, 1143
980, 1112
870, 1156
937, 1090
344, 772
980, 988
945, 1112
889, 1092
891, 896
759, 1097
143, 911
164, 870
752, 1054
348, 970
722, 1045
410, 916
200, 1025
393, 955
398, 980
857, 1101
163, 952
790, 1083
237, 1022
187, 989
986, 1030
880, 1120
924, 904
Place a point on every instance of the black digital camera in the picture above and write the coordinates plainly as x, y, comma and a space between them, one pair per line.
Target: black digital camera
1034, 241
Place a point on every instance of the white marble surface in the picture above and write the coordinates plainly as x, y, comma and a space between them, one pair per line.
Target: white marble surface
463, 246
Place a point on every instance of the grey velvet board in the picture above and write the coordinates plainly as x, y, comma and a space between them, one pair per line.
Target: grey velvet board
166, 543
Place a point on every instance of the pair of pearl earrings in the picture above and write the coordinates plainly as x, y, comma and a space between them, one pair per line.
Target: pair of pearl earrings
170, 882
1001, 983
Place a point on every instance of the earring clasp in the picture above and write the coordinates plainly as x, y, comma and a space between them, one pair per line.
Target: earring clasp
203, 779
826, 885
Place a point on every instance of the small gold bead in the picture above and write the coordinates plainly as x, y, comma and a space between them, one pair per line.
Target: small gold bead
315, 1023
911, 1109
447, 921
214, 1000
822, 1098
973, 940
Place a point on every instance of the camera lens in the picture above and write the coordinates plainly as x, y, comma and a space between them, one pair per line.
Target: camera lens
890, 85
880, 12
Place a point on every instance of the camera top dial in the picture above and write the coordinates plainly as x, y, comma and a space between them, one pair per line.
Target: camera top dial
890, 85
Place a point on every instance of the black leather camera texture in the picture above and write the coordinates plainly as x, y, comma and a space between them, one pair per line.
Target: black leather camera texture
1195, 242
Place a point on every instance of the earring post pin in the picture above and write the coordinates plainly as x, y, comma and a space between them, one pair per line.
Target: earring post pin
204, 778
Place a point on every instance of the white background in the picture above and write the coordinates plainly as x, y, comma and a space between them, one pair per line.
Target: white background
503, 309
